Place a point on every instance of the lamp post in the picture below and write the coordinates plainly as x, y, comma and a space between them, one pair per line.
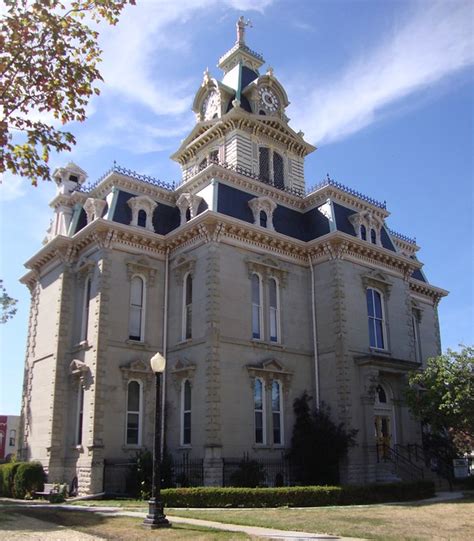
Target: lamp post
156, 518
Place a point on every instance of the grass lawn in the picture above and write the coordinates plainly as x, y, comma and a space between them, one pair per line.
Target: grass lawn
114, 528
451, 520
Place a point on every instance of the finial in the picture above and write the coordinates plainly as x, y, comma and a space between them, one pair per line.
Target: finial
206, 77
241, 24
270, 71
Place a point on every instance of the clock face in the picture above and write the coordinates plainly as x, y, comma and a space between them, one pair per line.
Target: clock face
268, 99
210, 105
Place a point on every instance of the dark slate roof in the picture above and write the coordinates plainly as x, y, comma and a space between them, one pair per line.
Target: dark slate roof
165, 217
312, 224
418, 275
247, 76
82, 222
244, 103
341, 215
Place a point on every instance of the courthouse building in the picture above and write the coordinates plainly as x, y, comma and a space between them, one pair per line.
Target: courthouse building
252, 286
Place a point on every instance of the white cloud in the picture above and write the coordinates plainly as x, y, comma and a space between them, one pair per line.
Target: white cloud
12, 187
435, 42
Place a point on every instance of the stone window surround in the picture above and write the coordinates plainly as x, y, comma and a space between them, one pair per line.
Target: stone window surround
379, 282
143, 307
268, 372
138, 380
183, 371
94, 208
265, 204
145, 203
369, 221
187, 201
183, 412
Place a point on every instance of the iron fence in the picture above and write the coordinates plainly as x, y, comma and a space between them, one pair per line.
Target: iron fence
270, 472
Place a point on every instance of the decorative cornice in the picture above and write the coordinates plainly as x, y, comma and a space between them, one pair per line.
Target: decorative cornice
427, 290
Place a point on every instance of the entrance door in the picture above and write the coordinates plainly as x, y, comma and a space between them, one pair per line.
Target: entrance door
383, 434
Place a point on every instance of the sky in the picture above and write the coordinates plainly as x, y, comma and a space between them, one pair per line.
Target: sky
384, 89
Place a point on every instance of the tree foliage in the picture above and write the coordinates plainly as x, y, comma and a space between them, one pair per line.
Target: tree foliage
48, 68
7, 304
442, 395
317, 443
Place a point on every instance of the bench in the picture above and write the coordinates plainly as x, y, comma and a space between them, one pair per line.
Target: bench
50, 488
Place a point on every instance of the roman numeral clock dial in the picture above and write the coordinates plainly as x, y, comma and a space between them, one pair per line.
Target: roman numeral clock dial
268, 99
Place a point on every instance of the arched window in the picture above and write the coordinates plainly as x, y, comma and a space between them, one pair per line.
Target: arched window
263, 218
375, 312
188, 307
141, 220
214, 156
278, 170
264, 162
277, 414
85, 309
80, 414
274, 312
373, 236
134, 413
188, 214
12, 441
186, 413
381, 395
259, 411
137, 288
363, 232
416, 337
256, 306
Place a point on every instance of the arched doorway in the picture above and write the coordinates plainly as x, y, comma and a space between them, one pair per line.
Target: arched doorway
383, 421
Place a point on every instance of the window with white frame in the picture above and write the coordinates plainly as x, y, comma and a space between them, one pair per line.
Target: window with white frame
256, 306
86, 309
376, 318
12, 441
188, 307
259, 410
416, 336
137, 309
134, 413
277, 414
186, 413
80, 414
274, 310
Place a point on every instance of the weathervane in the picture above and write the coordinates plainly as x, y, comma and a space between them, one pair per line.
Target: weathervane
241, 24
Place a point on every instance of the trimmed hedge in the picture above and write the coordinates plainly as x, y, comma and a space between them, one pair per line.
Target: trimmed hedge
316, 496
29, 478
19, 479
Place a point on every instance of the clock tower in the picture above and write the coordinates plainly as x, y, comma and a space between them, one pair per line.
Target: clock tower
241, 123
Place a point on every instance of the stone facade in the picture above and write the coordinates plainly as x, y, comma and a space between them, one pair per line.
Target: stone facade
253, 290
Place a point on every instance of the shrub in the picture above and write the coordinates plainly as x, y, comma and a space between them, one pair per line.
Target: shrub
249, 474
29, 478
7, 478
315, 496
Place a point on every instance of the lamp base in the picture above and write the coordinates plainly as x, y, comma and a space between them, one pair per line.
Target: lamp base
156, 518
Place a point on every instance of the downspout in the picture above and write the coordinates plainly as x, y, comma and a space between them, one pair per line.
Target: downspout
165, 346
315, 336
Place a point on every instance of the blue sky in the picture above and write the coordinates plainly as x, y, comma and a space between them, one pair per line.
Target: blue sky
384, 89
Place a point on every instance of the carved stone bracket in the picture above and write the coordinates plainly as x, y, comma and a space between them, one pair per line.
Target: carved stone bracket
265, 204
137, 369
182, 370
145, 203
143, 266
94, 208
79, 369
267, 268
378, 281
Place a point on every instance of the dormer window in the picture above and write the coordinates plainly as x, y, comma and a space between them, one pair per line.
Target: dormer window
363, 232
188, 205
373, 236
141, 221
263, 218
73, 178
367, 226
143, 208
262, 209
214, 156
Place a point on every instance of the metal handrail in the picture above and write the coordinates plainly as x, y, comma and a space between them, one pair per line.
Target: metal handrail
385, 452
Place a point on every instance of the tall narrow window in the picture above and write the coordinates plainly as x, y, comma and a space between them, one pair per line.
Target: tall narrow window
263, 218
12, 442
277, 418
259, 411
141, 220
136, 309
85, 309
376, 319
80, 414
274, 310
188, 308
186, 408
363, 232
373, 236
278, 170
214, 156
264, 162
256, 307
133, 436
416, 336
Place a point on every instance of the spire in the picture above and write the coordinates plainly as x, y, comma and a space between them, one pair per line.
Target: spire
240, 52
